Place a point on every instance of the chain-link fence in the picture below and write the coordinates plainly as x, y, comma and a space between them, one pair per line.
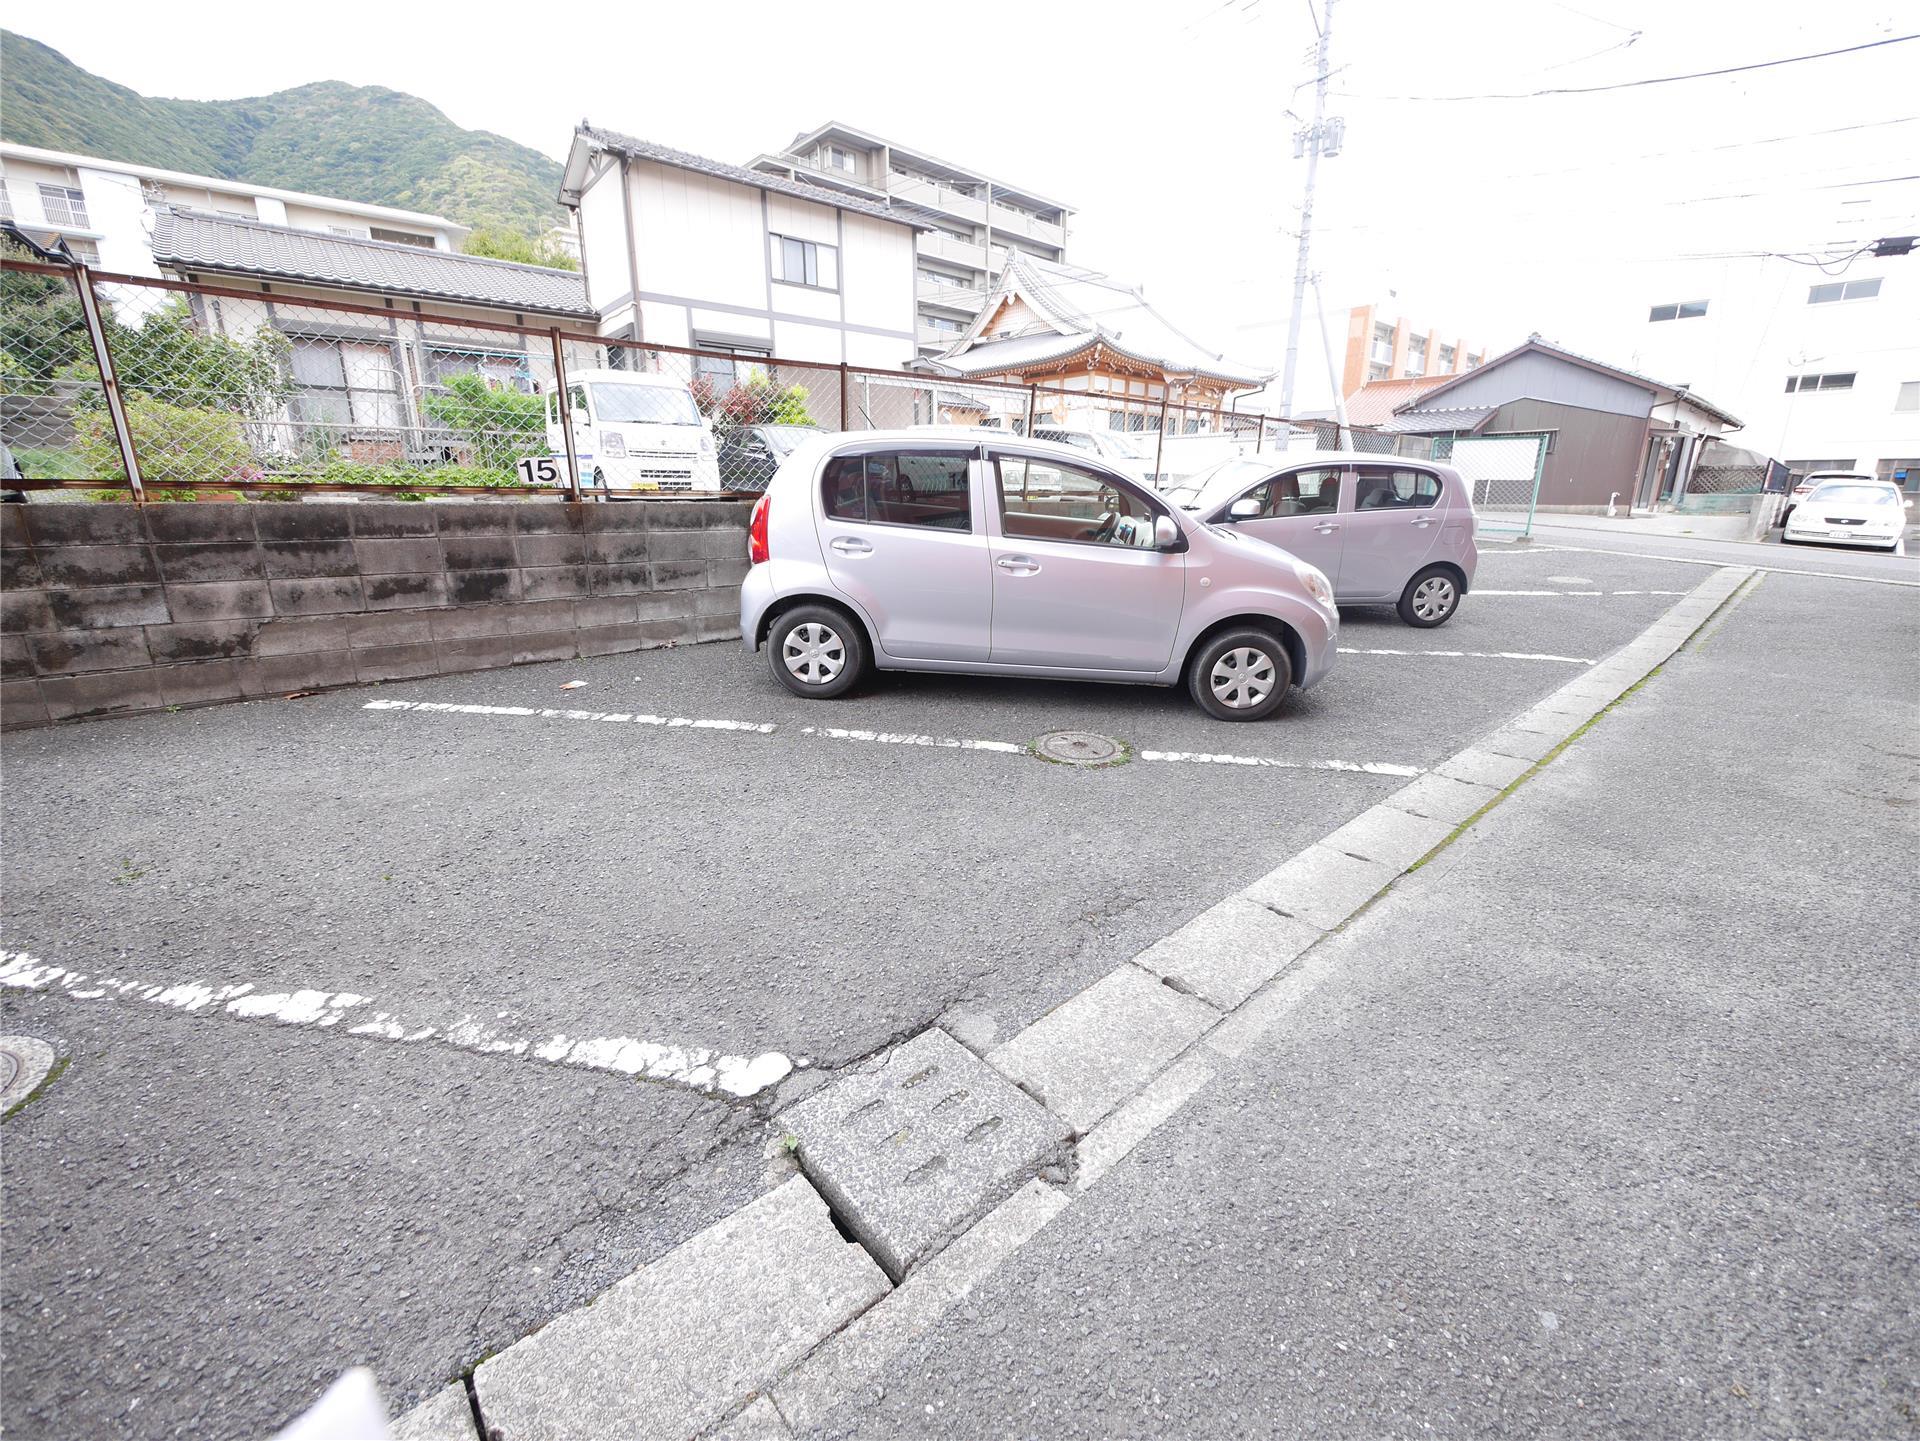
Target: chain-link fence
162, 389
1502, 472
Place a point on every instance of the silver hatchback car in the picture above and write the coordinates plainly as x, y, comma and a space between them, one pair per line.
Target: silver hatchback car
973, 551
1387, 531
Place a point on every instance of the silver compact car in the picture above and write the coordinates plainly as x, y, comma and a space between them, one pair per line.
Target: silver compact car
970, 551
1387, 531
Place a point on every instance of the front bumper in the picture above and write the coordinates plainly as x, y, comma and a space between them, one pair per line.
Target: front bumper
1843, 535
1320, 645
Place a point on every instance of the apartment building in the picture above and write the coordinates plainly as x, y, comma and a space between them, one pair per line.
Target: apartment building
972, 221
1824, 364
1384, 343
104, 210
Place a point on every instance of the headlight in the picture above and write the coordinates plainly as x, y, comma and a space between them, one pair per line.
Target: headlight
1318, 586
613, 443
706, 443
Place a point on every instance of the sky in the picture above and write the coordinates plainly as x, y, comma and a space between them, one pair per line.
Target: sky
1168, 128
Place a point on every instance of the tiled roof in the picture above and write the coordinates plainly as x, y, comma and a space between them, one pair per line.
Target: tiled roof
191, 239
1574, 357
719, 169
1086, 308
1440, 420
1377, 400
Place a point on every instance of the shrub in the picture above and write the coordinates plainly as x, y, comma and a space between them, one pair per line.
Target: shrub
496, 425
173, 443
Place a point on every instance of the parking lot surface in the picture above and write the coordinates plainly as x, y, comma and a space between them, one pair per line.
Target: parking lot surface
554, 882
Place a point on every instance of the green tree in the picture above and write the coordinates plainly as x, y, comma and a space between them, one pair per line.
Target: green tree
500, 242
497, 426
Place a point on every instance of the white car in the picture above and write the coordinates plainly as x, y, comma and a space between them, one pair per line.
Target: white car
1849, 512
635, 431
1806, 484
1129, 452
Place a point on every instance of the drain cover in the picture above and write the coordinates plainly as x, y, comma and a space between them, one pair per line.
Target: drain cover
24, 1063
1081, 748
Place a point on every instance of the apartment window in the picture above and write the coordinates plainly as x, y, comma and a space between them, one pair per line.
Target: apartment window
1679, 310
403, 237
1379, 370
944, 323
804, 262
1909, 397
1473, 361
1820, 294
838, 159
938, 277
1903, 473
345, 385
723, 372
1842, 380
63, 205
84, 251
1447, 356
1383, 342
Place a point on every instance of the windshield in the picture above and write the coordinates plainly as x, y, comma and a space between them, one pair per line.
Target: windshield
781, 439
1132, 447
1856, 495
644, 404
1219, 482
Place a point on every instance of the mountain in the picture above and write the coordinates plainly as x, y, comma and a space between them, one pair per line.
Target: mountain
357, 142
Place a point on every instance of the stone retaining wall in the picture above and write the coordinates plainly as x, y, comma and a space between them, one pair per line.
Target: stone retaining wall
106, 609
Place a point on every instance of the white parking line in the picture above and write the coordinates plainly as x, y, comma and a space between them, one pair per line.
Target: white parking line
899, 738
1473, 654
618, 717
694, 1067
1716, 564
1205, 758
1476, 594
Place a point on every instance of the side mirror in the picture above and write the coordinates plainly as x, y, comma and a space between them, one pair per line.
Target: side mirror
1245, 508
1166, 534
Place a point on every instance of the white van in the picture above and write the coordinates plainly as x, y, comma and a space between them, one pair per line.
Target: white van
635, 431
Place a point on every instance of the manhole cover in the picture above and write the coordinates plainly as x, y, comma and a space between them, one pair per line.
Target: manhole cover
24, 1063
1081, 748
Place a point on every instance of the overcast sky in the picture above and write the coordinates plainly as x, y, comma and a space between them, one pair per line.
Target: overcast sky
1166, 125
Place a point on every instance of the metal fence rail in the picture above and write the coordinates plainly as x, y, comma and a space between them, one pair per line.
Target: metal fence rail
126, 385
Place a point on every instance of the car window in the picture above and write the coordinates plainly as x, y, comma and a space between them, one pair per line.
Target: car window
900, 488
1299, 492
1841, 493
1383, 487
1051, 500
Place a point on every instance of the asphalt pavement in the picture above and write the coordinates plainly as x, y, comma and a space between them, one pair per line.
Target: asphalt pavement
792, 892
1622, 537
1600, 1124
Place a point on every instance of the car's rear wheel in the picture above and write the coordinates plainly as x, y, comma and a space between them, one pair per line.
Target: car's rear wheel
1430, 598
817, 652
1240, 675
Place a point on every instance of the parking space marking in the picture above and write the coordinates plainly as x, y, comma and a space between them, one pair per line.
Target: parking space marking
902, 738
1476, 594
618, 717
1718, 564
1472, 654
1207, 758
694, 1067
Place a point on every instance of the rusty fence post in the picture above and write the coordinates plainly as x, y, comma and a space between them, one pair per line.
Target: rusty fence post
1033, 392
1160, 445
566, 413
109, 381
846, 383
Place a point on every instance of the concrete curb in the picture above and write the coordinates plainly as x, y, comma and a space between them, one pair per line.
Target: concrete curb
755, 1328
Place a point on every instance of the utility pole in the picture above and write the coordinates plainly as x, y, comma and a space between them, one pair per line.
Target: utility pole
1322, 137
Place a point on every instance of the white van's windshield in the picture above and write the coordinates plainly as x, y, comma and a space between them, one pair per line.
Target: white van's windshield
644, 405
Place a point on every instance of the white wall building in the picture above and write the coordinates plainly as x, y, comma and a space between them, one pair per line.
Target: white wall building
104, 209
1824, 369
681, 250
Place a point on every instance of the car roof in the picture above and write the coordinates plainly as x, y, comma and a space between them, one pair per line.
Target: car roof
629, 377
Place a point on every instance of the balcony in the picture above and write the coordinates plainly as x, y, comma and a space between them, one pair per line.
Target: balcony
934, 336
956, 252
929, 195
963, 298
1014, 223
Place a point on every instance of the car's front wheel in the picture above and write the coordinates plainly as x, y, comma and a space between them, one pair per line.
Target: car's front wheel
816, 651
1430, 598
1240, 675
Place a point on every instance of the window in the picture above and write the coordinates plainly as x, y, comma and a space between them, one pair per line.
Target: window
722, 372
349, 385
1826, 294
347, 232
84, 251
63, 205
1300, 492
907, 487
945, 324
1474, 361
1909, 397
6, 201
1840, 381
1055, 500
1447, 357
503, 369
403, 237
1417, 355
1903, 473
1383, 342
1379, 370
838, 159
805, 262
1380, 488
1680, 310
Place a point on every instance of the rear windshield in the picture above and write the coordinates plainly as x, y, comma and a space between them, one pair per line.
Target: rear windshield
1839, 494
644, 405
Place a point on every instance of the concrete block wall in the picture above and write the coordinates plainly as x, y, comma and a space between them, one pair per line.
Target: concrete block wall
106, 609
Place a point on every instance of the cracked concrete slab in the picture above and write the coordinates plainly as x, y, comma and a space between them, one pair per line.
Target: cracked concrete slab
1228, 951
673, 1348
1097, 1048
911, 1149
760, 1421
446, 1415
1389, 836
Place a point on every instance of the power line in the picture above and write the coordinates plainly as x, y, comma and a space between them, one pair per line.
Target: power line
1651, 80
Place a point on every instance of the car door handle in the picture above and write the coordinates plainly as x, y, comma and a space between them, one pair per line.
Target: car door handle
849, 545
1018, 564
1326, 527
1422, 522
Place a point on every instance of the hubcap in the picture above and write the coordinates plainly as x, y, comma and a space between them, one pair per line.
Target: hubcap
814, 653
1242, 677
1433, 597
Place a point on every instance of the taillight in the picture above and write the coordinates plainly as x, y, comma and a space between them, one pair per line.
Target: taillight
757, 531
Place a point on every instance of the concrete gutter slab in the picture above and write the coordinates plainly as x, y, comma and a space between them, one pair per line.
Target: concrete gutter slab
1094, 1050
1484, 768
1321, 886
1527, 745
1388, 835
444, 1416
761, 1421
1228, 951
1442, 798
675, 1347
911, 1149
